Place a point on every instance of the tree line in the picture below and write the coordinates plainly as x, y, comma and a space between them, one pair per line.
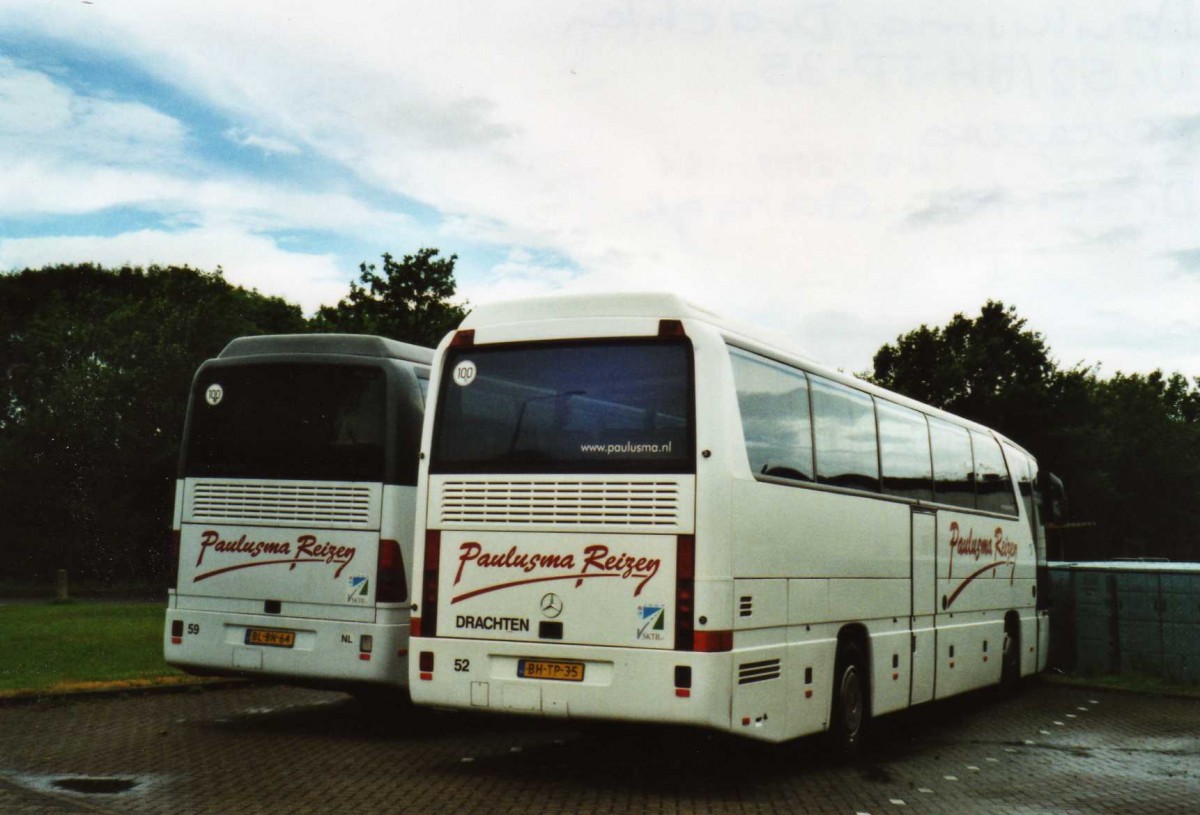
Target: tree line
1127, 446
96, 364
95, 368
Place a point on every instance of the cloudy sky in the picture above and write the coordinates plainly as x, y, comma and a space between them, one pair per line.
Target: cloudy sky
837, 172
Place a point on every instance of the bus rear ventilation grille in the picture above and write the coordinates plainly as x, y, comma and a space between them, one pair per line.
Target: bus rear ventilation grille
751, 672
608, 503
293, 503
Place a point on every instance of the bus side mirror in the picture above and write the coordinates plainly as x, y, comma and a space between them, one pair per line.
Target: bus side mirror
1054, 499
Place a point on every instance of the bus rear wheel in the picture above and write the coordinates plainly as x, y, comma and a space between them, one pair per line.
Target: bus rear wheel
1010, 671
849, 713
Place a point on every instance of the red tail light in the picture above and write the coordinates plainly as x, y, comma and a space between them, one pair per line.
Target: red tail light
427, 626
687, 638
712, 641
465, 336
685, 591
390, 583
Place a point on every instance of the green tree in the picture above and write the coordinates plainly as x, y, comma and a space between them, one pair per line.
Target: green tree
1150, 438
990, 368
409, 301
1127, 447
98, 363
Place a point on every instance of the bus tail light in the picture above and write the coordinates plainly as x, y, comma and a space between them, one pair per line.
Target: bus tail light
426, 624
464, 336
176, 632
687, 638
390, 586
685, 591
425, 664
712, 642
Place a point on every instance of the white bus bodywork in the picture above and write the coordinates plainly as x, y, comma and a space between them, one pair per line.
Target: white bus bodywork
522, 575
300, 580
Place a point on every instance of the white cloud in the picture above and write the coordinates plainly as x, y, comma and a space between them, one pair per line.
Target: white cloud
267, 144
247, 259
41, 119
766, 160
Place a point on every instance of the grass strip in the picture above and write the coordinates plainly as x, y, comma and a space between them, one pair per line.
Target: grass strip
1129, 683
58, 647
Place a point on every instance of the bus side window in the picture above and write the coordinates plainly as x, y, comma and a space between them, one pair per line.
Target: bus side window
904, 452
993, 487
773, 400
1020, 464
952, 464
847, 450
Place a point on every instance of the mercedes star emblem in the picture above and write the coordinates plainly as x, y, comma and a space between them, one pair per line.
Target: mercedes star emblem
552, 605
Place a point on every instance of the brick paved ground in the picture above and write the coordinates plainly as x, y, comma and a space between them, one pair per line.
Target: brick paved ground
277, 750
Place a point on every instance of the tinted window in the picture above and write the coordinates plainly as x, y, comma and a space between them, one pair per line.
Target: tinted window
298, 421
1022, 466
993, 489
952, 464
614, 406
773, 400
844, 425
904, 452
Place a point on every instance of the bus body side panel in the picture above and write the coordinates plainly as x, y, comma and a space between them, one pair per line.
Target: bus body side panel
396, 524
796, 531
890, 655
1029, 642
811, 652
760, 703
969, 648
1043, 651
986, 568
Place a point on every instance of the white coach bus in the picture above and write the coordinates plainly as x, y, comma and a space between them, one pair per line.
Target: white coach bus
629, 509
294, 512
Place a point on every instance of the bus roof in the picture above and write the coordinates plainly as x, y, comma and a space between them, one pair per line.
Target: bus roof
664, 305
358, 345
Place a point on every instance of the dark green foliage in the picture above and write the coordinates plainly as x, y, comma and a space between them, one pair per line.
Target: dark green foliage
409, 302
95, 368
1128, 447
991, 368
97, 364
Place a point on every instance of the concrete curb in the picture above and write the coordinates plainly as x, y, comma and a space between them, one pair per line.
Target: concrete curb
120, 689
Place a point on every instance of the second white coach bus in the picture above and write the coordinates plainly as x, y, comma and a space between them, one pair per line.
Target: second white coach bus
629, 509
294, 512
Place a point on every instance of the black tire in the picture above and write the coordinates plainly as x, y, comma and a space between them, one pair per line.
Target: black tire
850, 709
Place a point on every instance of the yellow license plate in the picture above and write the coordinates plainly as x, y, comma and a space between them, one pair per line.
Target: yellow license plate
548, 669
268, 636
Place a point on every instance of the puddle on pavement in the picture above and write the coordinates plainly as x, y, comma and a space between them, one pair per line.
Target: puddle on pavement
95, 786
91, 785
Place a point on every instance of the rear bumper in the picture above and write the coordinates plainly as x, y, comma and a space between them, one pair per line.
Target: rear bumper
618, 683
325, 653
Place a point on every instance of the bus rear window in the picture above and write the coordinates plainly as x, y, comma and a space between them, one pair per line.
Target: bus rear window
611, 406
286, 420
